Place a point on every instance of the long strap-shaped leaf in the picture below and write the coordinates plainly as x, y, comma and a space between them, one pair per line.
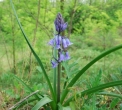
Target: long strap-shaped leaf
26, 86
41, 103
110, 94
36, 56
95, 89
77, 76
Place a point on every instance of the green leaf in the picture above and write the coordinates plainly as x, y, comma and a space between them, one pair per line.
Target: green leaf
94, 89
114, 103
35, 55
110, 94
63, 108
94, 80
115, 78
120, 106
26, 86
41, 103
72, 105
70, 68
78, 75
39, 69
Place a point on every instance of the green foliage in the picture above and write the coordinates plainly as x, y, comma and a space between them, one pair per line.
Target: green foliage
95, 80
114, 103
41, 103
95, 27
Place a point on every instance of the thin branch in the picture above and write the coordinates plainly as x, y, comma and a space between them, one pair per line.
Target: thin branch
6, 51
42, 26
13, 41
71, 18
34, 38
14, 106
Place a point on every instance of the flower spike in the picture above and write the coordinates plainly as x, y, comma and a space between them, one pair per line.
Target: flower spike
59, 42
59, 24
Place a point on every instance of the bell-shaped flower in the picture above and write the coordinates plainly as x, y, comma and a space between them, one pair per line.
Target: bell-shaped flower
54, 63
68, 42
64, 26
64, 43
61, 57
58, 40
51, 42
67, 57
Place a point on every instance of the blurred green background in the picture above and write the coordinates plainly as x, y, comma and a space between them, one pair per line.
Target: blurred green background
93, 26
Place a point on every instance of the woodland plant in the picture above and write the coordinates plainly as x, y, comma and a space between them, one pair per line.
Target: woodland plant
57, 99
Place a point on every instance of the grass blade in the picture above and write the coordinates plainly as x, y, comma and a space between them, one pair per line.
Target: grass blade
25, 85
95, 89
77, 76
114, 103
35, 55
41, 103
110, 94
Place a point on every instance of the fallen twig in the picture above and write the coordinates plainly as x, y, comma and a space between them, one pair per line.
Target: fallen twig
14, 106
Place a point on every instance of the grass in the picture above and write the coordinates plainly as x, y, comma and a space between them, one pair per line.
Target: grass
10, 89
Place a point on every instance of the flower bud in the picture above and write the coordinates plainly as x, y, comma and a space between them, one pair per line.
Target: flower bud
59, 24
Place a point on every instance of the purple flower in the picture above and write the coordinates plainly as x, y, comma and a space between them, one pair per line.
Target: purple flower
51, 42
62, 57
58, 40
54, 63
68, 42
59, 24
64, 26
64, 43
67, 57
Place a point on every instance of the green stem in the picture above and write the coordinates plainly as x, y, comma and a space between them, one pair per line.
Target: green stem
77, 76
54, 80
55, 73
58, 79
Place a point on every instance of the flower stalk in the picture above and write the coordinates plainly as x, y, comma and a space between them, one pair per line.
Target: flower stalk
61, 44
58, 79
